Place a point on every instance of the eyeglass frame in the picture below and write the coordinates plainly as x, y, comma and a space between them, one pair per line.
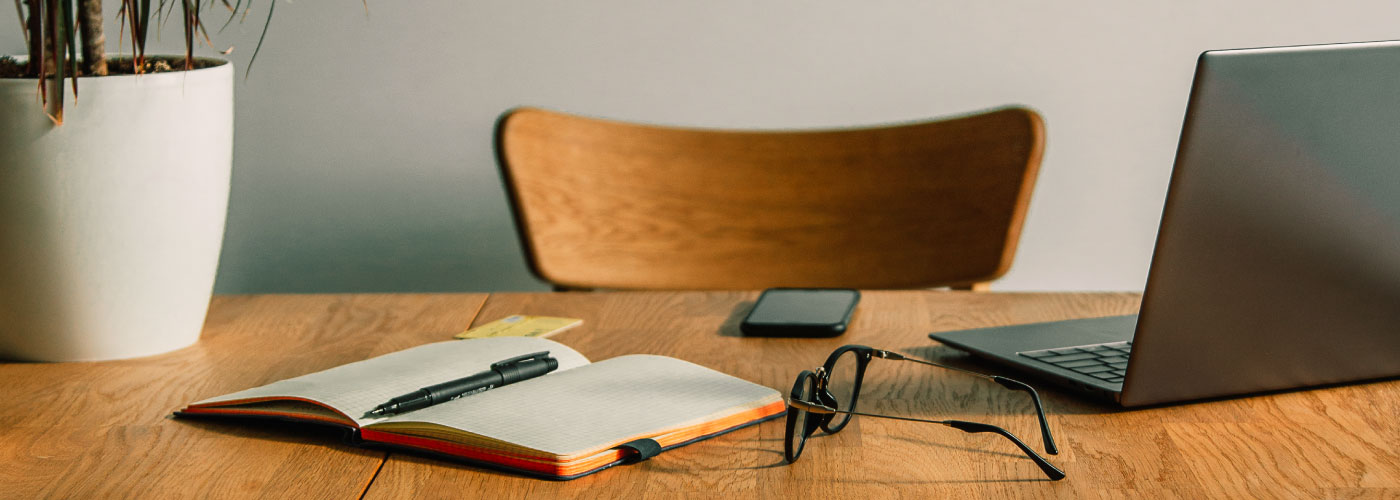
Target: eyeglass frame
825, 411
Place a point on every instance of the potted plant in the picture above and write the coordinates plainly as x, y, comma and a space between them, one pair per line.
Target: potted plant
114, 179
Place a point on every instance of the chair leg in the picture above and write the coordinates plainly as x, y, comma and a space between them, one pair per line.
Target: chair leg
981, 286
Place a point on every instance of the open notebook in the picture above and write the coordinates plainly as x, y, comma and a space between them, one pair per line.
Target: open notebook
579, 419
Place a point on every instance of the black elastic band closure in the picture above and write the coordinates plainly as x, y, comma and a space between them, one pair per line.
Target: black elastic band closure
642, 449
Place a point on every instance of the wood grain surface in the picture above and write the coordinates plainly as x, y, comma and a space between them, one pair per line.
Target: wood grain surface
1340, 442
102, 430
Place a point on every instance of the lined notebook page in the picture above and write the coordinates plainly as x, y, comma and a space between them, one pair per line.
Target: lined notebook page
358, 387
600, 405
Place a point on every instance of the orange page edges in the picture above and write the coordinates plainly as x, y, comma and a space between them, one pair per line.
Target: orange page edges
562, 469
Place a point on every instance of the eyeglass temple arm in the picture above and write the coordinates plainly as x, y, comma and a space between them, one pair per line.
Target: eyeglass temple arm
1039, 410
973, 427
1050, 470
1014, 385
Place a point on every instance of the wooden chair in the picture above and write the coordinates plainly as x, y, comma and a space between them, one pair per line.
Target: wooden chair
606, 204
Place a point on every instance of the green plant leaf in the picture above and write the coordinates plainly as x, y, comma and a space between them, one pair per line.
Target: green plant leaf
53, 100
233, 11
271, 5
23, 26
143, 17
189, 15
70, 38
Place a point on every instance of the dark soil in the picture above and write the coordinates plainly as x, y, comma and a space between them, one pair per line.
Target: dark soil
11, 68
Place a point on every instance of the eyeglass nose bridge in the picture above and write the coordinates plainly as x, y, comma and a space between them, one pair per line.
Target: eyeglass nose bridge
822, 378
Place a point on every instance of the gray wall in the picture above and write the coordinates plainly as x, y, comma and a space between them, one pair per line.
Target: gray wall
363, 150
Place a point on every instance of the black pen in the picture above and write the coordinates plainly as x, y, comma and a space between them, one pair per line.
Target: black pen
505, 372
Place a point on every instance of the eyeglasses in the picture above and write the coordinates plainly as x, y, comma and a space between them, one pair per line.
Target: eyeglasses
827, 400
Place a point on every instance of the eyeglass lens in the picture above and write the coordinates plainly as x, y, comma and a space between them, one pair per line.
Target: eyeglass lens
842, 385
802, 390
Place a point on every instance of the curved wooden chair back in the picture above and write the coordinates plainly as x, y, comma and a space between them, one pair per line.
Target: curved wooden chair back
606, 204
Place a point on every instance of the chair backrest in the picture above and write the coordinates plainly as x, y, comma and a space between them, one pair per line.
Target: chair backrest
606, 204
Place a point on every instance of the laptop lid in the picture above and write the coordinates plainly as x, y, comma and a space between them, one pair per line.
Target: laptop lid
1277, 263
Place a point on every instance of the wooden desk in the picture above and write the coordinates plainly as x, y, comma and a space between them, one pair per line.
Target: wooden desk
102, 430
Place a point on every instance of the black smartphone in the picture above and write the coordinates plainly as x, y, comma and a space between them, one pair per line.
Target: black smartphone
801, 312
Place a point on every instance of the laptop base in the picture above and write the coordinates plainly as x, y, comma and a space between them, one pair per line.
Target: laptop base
1004, 344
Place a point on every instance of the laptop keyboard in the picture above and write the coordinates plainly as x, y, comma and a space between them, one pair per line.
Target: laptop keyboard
1107, 362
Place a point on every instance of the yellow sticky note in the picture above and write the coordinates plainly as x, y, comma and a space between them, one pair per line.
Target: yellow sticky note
521, 326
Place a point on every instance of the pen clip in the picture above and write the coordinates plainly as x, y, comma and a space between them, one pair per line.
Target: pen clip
519, 359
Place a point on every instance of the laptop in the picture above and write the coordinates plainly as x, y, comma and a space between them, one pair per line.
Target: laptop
1277, 263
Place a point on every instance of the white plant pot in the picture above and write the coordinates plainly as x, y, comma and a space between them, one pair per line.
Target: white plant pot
111, 224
